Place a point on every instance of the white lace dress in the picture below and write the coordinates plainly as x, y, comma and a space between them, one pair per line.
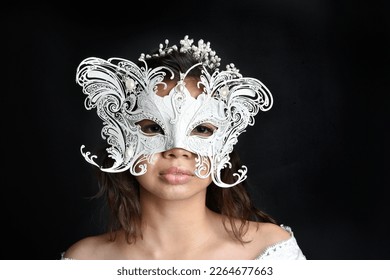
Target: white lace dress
285, 250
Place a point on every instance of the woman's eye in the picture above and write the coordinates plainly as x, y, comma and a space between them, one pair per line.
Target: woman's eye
204, 130
154, 128
150, 127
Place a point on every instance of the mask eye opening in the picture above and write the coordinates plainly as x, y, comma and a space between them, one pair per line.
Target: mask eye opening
204, 130
150, 128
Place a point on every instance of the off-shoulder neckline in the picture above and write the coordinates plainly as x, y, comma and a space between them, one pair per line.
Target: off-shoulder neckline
266, 251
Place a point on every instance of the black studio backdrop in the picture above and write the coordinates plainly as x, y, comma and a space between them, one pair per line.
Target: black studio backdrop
318, 160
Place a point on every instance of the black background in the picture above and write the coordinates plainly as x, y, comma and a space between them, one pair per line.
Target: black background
318, 160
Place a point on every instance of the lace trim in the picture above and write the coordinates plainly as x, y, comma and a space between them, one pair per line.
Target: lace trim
286, 249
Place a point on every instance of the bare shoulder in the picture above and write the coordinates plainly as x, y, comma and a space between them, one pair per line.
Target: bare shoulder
258, 237
267, 234
88, 248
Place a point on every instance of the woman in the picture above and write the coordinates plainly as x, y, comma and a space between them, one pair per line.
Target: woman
175, 186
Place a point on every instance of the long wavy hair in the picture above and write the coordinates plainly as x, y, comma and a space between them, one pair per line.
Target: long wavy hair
122, 189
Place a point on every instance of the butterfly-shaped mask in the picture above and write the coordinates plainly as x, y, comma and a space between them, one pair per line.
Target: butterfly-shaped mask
138, 122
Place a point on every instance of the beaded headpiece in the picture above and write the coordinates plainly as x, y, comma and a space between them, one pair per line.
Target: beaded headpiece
125, 94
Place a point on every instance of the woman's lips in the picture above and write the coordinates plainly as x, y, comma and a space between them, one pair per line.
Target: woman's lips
176, 176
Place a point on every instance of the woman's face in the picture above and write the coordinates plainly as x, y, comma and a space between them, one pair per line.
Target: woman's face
172, 174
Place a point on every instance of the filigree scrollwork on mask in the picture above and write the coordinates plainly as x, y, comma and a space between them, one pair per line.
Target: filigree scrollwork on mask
124, 94
243, 98
112, 87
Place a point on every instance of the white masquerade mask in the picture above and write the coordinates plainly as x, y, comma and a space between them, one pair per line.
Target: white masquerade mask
138, 123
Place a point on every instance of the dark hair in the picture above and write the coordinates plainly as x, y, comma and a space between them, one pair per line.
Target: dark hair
122, 189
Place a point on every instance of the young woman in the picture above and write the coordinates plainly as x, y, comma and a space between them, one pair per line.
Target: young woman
175, 187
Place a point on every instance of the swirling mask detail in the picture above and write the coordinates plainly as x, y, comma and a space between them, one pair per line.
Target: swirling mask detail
125, 96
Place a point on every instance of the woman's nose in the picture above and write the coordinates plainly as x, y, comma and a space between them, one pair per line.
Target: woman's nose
177, 153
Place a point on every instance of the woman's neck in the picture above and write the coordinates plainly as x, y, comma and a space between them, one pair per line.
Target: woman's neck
177, 225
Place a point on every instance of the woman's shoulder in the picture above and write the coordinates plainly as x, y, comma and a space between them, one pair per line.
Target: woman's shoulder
257, 238
268, 233
278, 242
87, 248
